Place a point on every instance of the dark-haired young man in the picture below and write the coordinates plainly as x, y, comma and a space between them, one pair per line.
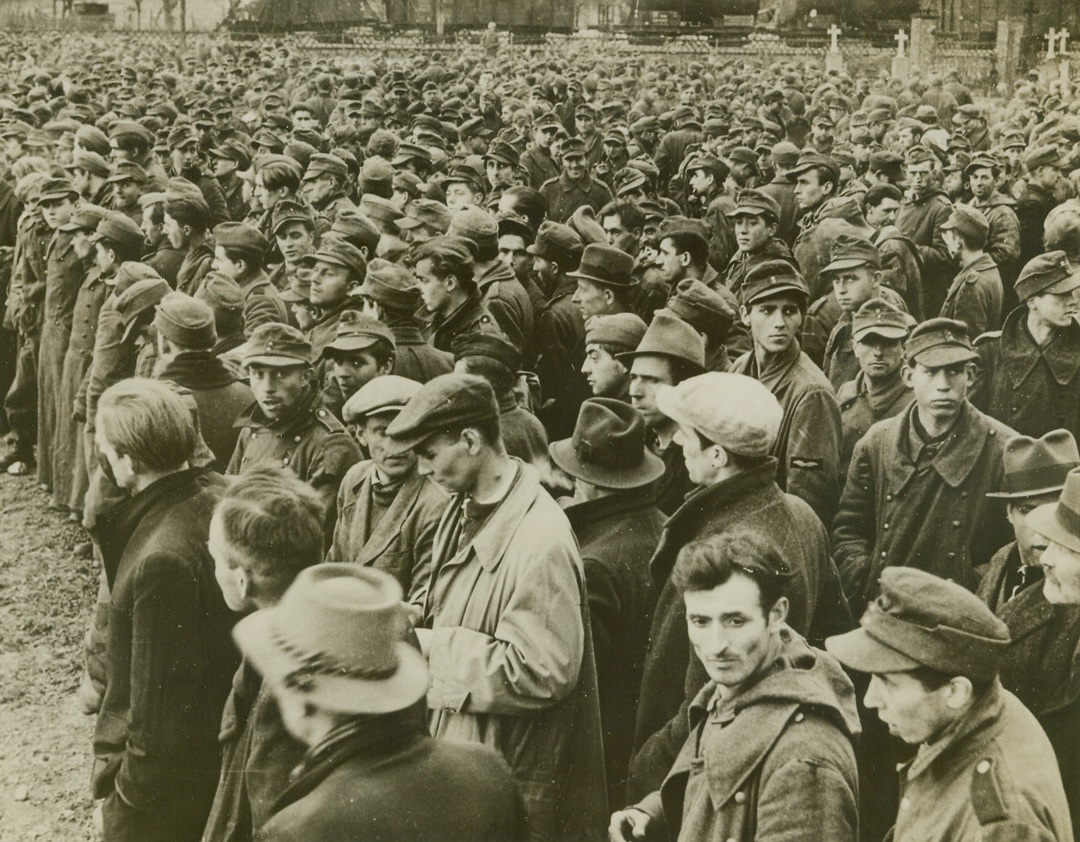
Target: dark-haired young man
770, 750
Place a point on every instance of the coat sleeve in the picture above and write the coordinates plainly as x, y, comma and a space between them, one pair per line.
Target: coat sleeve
260, 310
974, 305
1004, 242
935, 257
332, 460
855, 526
166, 638
533, 658
813, 452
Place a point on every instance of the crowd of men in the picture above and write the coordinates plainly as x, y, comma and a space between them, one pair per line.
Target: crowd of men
554, 446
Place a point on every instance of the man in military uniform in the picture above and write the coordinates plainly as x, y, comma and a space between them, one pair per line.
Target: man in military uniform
575, 186
916, 488
324, 185
444, 272
975, 295
1029, 371
984, 768
755, 219
239, 252
1044, 179
923, 211
774, 300
537, 159
1003, 237
287, 426
878, 331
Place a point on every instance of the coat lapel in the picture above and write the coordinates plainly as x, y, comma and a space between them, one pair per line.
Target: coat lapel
390, 525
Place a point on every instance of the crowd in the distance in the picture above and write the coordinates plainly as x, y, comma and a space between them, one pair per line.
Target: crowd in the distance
554, 445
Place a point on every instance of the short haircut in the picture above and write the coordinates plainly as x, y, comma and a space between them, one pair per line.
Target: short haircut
124, 253
879, 193
710, 562
529, 202
133, 144
148, 421
252, 261
498, 374
630, 215
490, 431
931, 680
445, 265
825, 175
274, 521
687, 243
278, 174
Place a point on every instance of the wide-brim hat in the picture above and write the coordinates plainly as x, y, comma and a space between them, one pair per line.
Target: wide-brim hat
1060, 521
1037, 466
337, 638
608, 447
671, 337
604, 264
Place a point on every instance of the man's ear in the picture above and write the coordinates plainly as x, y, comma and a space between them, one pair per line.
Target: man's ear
779, 612
958, 692
745, 315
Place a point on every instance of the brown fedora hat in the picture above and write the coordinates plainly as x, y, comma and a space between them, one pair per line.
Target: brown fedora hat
1037, 466
669, 336
606, 265
338, 637
608, 447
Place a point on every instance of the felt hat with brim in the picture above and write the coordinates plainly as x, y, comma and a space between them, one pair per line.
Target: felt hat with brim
921, 620
603, 264
449, 400
1034, 467
1060, 521
385, 394
336, 638
669, 336
608, 447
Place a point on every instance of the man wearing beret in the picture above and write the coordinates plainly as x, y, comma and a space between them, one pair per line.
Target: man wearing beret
443, 269
576, 185
774, 300
505, 627
618, 527
389, 293
287, 426
984, 768
726, 425
1029, 371
915, 492
976, 293
239, 254
878, 391
185, 334
387, 512
923, 211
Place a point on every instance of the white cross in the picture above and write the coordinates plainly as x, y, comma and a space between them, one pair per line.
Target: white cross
1051, 38
834, 33
1063, 47
901, 39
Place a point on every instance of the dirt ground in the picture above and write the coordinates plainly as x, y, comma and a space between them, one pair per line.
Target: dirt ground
46, 595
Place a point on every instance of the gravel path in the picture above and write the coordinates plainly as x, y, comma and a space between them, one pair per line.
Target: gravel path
46, 596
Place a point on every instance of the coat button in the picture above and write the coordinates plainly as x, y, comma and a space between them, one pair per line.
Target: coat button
296, 439
285, 461
956, 524
884, 526
983, 767
799, 717
888, 497
740, 797
951, 556
883, 553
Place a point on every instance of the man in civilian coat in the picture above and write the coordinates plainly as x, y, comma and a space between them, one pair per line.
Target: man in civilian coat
506, 622
387, 511
618, 527
727, 425
168, 653
372, 769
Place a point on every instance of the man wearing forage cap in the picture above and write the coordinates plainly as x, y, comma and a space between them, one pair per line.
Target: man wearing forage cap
506, 628
726, 425
240, 254
915, 492
1029, 371
774, 300
984, 768
975, 295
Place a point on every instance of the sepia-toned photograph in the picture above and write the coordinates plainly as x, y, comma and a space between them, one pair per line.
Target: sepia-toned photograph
539, 421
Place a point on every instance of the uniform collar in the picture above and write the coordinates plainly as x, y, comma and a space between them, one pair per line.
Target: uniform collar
957, 454
963, 739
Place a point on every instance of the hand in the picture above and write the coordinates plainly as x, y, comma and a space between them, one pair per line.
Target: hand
627, 825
